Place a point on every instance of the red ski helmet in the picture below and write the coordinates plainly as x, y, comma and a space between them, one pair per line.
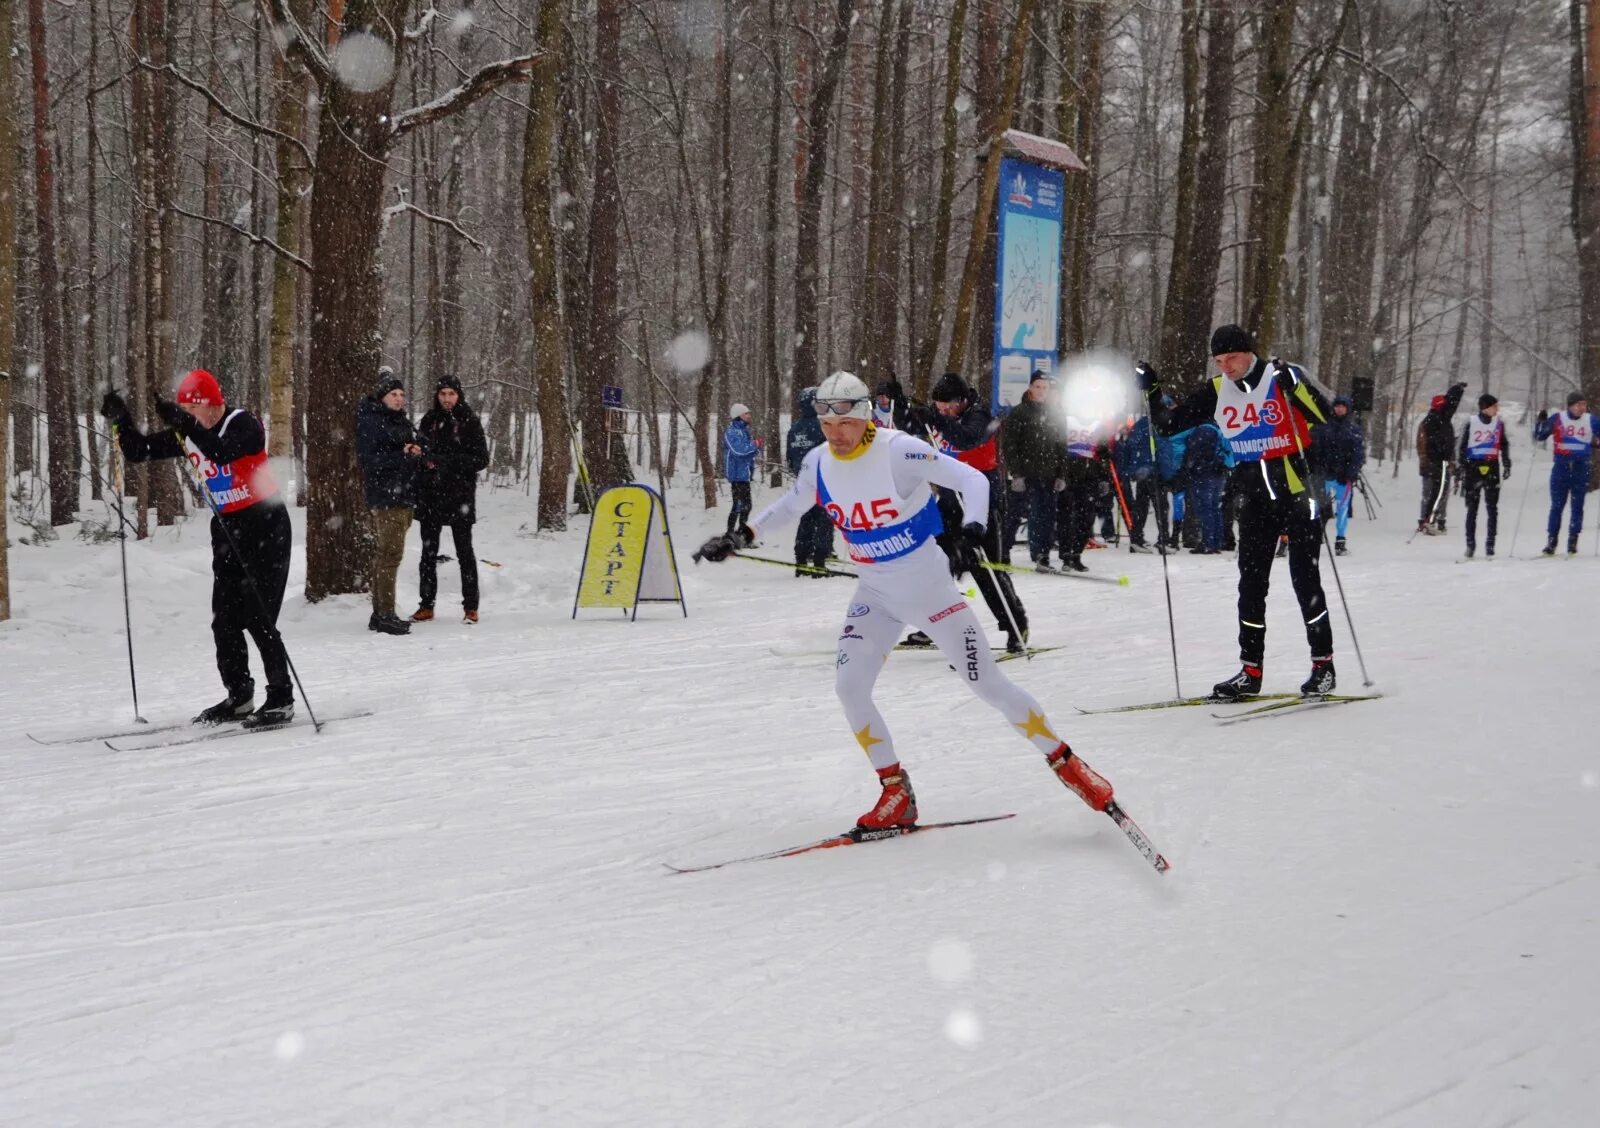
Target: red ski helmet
200, 386
1438, 403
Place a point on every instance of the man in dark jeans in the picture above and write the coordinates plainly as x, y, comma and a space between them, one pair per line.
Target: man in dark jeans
813, 540
1034, 450
447, 494
1436, 453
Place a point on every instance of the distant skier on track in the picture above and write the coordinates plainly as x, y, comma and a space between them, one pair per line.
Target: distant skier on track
876, 486
1484, 454
1265, 410
228, 450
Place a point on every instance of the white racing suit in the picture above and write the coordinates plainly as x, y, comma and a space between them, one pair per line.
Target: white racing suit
879, 498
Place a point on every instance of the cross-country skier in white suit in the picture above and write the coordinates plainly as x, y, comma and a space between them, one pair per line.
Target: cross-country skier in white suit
874, 484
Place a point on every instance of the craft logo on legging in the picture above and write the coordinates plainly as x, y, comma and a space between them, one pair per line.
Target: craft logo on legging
971, 634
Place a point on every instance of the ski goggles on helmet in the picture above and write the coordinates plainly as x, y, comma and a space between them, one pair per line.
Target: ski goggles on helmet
846, 407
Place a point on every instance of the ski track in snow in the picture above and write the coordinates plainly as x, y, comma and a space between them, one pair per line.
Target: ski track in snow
455, 911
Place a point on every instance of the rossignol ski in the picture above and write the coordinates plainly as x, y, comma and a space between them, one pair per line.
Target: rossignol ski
853, 837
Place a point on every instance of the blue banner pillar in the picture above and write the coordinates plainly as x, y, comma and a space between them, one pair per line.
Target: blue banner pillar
1027, 306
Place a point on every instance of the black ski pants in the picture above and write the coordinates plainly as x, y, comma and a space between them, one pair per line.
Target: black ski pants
742, 505
1435, 494
428, 580
1262, 518
1075, 512
247, 593
995, 587
813, 540
1487, 486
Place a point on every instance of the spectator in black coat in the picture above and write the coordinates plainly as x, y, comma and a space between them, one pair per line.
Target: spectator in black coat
390, 455
447, 494
1338, 450
813, 540
1436, 453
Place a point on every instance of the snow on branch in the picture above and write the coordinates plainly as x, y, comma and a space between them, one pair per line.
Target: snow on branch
443, 221
240, 229
479, 84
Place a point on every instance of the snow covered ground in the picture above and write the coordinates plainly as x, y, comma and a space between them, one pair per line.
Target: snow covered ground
454, 912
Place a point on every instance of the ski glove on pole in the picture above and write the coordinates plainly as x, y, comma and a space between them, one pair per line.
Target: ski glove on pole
718, 549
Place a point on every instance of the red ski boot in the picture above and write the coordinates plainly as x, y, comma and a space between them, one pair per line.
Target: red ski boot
1080, 778
897, 806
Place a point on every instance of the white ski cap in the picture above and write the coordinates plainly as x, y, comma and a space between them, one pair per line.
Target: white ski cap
737, 410
846, 386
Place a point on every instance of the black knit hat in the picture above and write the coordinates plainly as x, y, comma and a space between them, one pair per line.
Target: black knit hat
1232, 339
1575, 397
387, 382
1487, 401
448, 380
950, 388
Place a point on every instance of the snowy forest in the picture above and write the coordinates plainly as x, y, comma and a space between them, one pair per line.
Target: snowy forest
710, 201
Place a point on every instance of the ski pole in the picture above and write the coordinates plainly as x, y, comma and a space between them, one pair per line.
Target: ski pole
1444, 480
1005, 602
1334, 563
1127, 514
249, 577
793, 564
1527, 482
122, 545
1163, 528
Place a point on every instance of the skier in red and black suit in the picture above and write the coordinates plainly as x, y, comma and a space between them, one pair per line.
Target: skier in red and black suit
228, 450
1265, 410
959, 427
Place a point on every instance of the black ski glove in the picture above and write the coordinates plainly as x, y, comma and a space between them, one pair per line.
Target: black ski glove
972, 534
174, 416
114, 408
718, 549
1505, 472
1541, 417
1148, 379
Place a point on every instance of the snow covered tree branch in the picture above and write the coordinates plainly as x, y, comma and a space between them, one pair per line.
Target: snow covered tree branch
479, 84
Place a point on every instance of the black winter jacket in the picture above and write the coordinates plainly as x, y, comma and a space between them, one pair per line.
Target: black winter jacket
1032, 443
389, 473
456, 453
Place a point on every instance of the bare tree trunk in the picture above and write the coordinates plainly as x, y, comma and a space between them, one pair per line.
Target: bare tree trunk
988, 187
605, 466
1584, 97
1082, 191
63, 474
538, 213
1198, 283
877, 355
772, 382
290, 122
809, 218
939, 249
1189, 140
10, 188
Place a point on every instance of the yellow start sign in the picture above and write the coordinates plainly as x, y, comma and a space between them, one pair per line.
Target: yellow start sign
628, 559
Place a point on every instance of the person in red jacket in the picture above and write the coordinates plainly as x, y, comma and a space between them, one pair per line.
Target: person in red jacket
250, 535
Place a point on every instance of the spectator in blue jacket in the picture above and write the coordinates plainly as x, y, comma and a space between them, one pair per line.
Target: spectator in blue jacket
1338, 450
739, 450
1205, 469
1136, 463
1576, 433
390, 455
813, 541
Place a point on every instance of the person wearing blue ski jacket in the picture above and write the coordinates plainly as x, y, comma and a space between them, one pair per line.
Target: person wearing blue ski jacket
1574, 433
739, 450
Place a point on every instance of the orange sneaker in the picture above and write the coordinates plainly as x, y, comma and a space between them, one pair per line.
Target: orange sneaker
1088, 784
897, 806
422, 615
469, 617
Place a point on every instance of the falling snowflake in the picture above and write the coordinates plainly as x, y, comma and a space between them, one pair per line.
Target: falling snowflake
963, 1027
689, 351
363, 62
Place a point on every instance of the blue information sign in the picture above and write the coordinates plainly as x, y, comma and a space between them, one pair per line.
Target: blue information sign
1027, 291
610, 395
